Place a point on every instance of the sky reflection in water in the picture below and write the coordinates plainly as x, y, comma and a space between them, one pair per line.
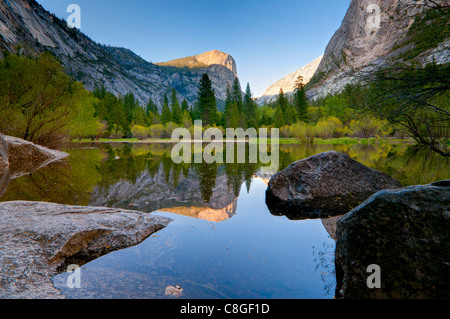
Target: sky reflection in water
224, 242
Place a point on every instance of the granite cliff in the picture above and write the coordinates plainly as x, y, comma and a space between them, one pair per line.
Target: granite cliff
376, 33
26, 27
288, 82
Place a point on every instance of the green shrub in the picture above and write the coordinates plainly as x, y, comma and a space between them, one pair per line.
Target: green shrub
140, 132
331, 127
169, 128
367, 127
156, 131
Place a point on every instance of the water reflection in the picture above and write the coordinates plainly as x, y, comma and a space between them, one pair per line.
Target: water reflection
224, 243
144, 177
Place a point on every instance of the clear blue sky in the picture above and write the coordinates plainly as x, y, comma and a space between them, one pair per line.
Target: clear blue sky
268, 39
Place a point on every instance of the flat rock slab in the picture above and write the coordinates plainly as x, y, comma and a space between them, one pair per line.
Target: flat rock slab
324, 185
405, 232
39, 240
25, 157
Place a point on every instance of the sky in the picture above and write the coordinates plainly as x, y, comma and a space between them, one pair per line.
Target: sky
268, 39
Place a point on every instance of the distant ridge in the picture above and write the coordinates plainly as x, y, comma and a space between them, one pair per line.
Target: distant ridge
288, 82
26, 27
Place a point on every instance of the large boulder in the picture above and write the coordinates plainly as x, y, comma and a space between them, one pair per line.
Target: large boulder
4, 154
405, 232
25, 157
38, 240
327, 184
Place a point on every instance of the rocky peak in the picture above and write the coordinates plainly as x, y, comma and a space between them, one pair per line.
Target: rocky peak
204, 60
359, 44
216, 57
288, 82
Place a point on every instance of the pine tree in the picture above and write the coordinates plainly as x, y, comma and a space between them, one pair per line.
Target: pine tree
234, 116
119, 117
100, 92
228, 102
290, 116
300, 101
186, 120
206, 102
184, 106
237, 95
151, 118
140, 117
283, 103
176, 109
129, 103
278, 117
250, 109
166, 113
152, 107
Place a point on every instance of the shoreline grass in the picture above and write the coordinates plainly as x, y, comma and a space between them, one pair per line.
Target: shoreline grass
317, 141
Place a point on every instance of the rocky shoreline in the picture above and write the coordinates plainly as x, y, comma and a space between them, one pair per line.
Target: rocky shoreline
19, 157
39, 240
405, 232
324, 185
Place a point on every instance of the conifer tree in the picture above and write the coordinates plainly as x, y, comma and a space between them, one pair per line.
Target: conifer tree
119, 117
278, 117
290, 117
176, 109
300, 101
237, 95
184, 106
234, 116
250, 109
206, 102
152, 107
186, 120
129, 103
140, 117
166, 113
228, 102
282, 101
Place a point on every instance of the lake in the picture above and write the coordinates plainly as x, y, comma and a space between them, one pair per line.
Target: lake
223, 241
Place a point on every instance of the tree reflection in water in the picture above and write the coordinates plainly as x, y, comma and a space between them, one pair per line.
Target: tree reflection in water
102, 168
144, 177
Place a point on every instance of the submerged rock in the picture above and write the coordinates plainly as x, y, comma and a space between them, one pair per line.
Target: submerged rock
25, 157
176, 291
405, 232
4, 180
38, 240
330, 225
327, 184
4, 155
19, 157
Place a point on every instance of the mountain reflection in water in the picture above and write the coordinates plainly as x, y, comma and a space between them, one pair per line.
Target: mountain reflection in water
224, 242
143, 176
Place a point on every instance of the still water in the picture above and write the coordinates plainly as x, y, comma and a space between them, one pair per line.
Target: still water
223, 241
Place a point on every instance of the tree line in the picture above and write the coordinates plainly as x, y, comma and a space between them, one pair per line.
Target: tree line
41, 103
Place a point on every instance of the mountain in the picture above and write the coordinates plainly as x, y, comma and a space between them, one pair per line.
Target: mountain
185, 73
204, 60
288, 82
405, 33
152, 192
26, 27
